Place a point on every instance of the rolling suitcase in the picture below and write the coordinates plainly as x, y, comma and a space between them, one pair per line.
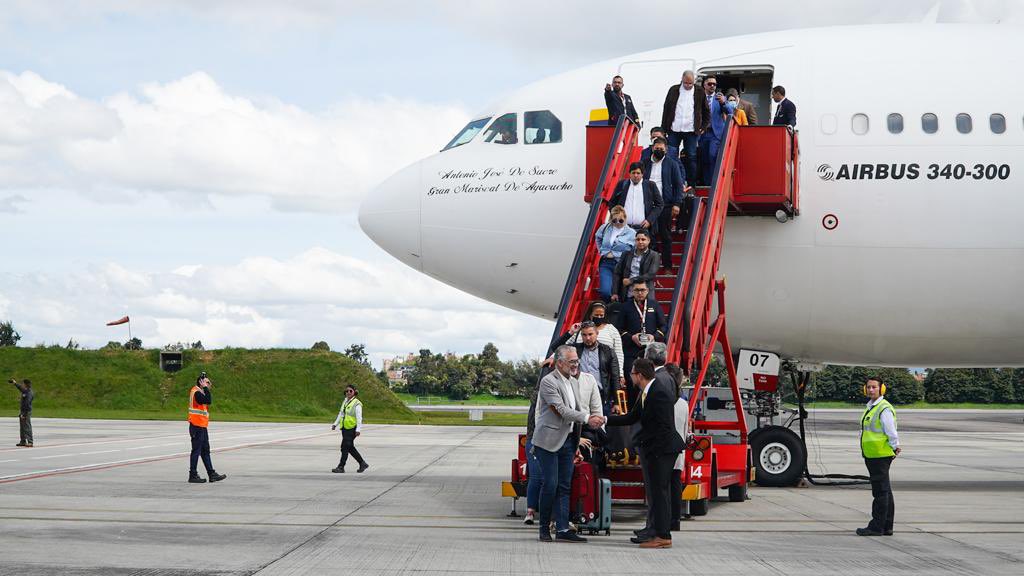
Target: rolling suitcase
602, 520
590, 503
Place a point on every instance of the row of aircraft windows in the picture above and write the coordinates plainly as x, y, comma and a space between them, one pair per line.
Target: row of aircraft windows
539, 127
929, 123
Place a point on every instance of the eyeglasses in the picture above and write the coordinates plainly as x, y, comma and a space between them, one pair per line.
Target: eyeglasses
572, 362
641, 290
712, 83
618, 221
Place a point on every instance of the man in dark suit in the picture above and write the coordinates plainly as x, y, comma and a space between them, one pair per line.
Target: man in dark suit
618, 102
659, 445
640, 198
639, 265
640, 323
668, 176
685, 118
597, 359
785, 110
658, 132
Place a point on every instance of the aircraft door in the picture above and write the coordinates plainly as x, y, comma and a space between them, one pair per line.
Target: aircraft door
647, 82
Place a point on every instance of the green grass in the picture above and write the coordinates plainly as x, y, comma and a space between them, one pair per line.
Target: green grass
931, 406
462, 419
475, 400
248, 385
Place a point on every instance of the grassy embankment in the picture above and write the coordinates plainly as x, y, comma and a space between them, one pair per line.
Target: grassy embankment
248, 385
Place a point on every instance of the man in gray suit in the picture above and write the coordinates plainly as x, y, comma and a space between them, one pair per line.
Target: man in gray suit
555, 438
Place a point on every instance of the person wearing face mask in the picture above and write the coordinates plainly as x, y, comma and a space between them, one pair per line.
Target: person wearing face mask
613, 239
668, 176
658, 132
734, 108
618, 102
640, 198
607, 334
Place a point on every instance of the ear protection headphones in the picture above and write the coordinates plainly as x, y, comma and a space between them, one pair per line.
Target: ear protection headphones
881, 387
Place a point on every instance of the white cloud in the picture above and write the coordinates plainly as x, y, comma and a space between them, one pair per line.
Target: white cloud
191, 137
264, 302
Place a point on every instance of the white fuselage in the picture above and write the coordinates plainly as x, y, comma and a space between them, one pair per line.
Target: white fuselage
923, 270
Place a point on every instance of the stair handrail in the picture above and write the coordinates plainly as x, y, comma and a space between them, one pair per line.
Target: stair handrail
585, 260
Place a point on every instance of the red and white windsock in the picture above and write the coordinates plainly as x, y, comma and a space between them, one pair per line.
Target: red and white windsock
118, 322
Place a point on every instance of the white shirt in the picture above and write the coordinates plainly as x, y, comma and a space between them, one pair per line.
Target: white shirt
888, 424
567, 386
656, 171
590, 395
359, 415
635, 214
683, 120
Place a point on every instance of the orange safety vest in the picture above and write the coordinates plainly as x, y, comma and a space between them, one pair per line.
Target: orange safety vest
198, 414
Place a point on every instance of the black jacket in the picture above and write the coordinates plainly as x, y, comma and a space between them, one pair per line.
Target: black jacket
607, 360
656, 416
701, 111
630, 323
785, 114
649, 265
616, 109
653, 202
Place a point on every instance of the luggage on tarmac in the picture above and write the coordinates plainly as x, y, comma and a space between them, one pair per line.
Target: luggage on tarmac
590, 502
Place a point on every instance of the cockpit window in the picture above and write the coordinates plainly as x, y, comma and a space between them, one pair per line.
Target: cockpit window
468, 133
503, 131
542, 127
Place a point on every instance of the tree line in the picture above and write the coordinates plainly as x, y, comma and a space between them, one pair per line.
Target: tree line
940, 385
459, 377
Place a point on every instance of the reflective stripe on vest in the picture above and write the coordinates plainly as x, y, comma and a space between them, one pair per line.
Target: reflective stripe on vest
198, 414
873, 441
349, 410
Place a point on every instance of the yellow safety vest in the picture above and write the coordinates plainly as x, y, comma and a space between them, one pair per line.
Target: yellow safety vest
873, 441
348, 409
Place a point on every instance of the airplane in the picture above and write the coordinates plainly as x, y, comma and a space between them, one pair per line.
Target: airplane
908, 248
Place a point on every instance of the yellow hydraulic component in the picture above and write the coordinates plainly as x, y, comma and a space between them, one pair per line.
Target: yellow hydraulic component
599, 115
693, 492
507, 490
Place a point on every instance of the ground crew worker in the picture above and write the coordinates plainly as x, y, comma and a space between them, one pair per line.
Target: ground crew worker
199, 400
879, 444
351, 419
25, 415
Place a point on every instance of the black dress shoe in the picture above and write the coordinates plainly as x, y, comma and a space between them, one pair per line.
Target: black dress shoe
20, 444
338, 470
196, 479
887, 532
867, 532
545, 536
569, 536
362, 467
214, 477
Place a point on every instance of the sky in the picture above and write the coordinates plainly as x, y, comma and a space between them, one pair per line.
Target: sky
198, 164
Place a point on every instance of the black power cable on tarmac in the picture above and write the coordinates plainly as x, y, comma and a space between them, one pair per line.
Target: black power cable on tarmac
800, 387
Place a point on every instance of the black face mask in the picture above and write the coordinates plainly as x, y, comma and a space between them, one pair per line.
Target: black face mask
599, 320
658, 154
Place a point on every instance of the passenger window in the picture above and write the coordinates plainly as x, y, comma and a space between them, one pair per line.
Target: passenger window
998, 123
466, 135
503, 131
860, 124
895, 123
829, 124
963, 123
541, 127
929, 123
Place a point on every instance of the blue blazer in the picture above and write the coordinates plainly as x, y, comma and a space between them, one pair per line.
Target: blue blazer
673, 179
718, 120
624, 242
785, 113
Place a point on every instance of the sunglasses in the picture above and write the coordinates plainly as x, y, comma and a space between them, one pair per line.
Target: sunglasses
618, 221
712, 84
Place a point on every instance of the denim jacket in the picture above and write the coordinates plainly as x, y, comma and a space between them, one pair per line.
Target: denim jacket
625, 241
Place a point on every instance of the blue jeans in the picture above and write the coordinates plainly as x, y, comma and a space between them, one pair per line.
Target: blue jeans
534, 478
607, 269
556, 467
686, 143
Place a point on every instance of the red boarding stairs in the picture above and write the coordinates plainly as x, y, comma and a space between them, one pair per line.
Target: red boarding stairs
755, 175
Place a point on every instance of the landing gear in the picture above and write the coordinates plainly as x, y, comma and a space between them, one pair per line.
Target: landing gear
779, 456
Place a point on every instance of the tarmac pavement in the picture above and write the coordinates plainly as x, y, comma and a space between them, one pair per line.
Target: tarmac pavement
109, 497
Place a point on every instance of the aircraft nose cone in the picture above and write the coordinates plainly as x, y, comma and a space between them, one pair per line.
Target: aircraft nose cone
390, 216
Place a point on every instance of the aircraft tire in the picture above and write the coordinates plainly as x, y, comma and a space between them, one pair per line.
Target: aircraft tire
779, 456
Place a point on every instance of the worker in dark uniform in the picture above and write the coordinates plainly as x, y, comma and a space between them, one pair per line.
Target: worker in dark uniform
199, 401
351, 419
879, 444
25, 415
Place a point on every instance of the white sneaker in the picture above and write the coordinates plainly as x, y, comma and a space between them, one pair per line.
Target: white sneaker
529, 519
